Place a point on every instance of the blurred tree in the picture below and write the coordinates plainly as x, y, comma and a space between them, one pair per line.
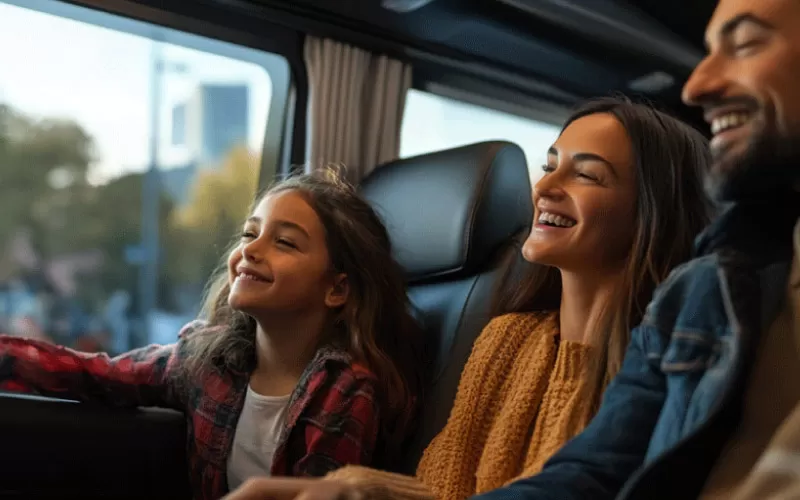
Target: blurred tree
109, 219
47, 196
41, 162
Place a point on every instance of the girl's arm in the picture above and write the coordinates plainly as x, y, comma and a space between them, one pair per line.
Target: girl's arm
142, 377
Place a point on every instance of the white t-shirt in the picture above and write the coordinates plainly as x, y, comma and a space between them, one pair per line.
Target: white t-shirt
256, 438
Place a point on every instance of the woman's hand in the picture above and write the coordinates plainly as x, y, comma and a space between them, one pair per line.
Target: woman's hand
264, 488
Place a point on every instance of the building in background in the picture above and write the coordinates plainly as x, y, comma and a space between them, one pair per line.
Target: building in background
178, 135
212, 122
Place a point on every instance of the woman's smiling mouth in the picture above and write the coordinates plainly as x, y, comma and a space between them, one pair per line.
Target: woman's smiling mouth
551, 220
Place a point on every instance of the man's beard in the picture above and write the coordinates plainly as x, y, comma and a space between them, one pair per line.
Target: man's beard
769, 167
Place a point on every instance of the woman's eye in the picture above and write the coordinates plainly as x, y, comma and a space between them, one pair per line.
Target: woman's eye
588, 177
285, 242
547, 168
248, 235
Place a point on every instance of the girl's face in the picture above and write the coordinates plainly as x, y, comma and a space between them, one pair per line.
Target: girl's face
585, 204
281, 267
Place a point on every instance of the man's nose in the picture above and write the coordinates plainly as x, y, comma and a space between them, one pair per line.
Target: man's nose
707, 82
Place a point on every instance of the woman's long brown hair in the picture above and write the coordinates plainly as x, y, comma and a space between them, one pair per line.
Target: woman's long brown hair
375, 325
671, 209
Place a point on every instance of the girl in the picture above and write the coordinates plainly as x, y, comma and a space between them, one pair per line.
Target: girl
618, 206
305, 362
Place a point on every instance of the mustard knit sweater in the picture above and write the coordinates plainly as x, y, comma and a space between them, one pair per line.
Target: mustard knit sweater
522, 395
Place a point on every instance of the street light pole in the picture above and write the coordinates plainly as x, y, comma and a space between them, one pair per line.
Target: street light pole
148, 271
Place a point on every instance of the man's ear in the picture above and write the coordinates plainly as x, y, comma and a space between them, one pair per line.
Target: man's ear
338, 293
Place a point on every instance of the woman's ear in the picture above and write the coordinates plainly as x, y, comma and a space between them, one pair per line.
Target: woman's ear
338, 293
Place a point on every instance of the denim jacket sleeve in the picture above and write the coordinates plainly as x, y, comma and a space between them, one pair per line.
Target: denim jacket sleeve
597, 462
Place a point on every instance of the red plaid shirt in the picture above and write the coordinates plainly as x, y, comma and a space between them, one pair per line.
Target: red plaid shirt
332, 419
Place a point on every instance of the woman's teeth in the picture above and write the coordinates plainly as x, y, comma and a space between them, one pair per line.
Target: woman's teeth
555, 220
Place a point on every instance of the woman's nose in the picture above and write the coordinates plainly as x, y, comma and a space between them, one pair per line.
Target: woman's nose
549, 186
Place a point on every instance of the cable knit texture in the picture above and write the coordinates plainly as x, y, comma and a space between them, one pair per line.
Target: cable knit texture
522, 395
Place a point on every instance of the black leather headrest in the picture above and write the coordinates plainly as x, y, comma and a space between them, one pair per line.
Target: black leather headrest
447, 212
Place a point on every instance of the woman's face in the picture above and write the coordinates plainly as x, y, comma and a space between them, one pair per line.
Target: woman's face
585, 203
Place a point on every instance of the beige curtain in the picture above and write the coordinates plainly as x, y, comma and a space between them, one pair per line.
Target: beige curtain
355, 107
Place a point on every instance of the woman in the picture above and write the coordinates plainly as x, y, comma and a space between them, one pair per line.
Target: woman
618, 206
305, 361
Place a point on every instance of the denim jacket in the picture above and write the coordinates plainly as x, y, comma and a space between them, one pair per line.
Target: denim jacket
677, 398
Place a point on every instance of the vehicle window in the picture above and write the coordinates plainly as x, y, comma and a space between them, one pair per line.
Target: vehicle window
432, 122
129, 155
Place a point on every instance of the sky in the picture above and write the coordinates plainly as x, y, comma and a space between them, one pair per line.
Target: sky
56, 67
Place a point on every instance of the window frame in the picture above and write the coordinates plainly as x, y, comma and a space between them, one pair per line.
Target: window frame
191, 25
531, 109
275, 54
512, 103
509, 94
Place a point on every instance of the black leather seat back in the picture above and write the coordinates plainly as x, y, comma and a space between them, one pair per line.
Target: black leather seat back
457, 219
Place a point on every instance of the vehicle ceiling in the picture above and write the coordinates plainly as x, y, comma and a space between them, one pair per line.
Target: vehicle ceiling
556, 51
